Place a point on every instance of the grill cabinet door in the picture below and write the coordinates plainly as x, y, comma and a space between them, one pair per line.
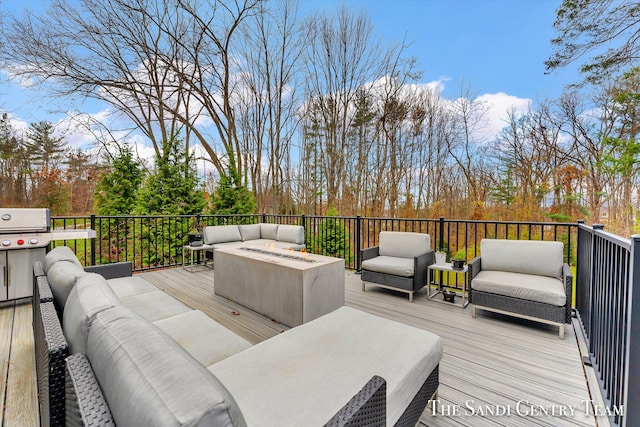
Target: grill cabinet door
3, 276
20, 276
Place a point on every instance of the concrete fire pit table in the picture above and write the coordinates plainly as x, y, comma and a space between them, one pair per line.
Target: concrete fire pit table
286, 286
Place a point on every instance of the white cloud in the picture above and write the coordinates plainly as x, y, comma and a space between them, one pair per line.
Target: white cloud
498, 107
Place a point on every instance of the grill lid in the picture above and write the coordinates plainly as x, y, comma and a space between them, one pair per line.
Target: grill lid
22, 220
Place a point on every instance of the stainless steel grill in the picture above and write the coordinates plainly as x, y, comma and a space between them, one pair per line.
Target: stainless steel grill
24, 237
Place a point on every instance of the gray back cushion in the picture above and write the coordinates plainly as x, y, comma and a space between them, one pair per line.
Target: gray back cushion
59, 253
221, 234
249, 231
149, 380
291, 234
90, 296
403, 244
62, 277
523, 256
269, 231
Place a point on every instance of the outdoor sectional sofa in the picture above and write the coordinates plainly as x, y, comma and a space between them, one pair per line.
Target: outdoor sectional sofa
126, 353
277, 236
522, 278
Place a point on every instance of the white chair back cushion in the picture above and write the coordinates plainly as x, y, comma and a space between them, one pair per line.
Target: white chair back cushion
221, 233
291, 234
403, 244
268, 231
59, 253
249, 231
523, 256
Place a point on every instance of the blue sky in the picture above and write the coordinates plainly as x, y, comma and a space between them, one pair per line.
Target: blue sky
496, 48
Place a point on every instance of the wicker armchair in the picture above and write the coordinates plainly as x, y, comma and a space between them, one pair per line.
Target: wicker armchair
399, 262
522, 278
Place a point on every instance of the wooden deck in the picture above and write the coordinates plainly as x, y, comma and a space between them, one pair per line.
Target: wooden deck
495, 371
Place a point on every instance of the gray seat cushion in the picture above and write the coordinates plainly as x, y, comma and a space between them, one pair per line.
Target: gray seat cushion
403, 244
62, 277
390, 265
523, 256
203, 338
125, 287
89, 296
59, 253
149, 380
155, 305
547, 290
334, 356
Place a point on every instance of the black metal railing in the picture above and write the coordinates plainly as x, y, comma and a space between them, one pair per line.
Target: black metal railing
606, 287
155, 241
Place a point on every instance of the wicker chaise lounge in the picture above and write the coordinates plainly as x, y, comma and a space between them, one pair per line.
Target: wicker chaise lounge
522, 278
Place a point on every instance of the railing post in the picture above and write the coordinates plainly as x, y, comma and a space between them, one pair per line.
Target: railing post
93, 241
264, 218
303, 223
358, 244
632, 374
441, 235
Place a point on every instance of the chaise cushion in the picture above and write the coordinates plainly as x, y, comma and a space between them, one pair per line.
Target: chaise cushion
149, 380
249, 231
547, 290
62, 277
290, 234
402, 244
390, 265
523, 256
89, 296
362, 345
155, 305
125, 287
268, 231
221, 234
203, 338
59, 253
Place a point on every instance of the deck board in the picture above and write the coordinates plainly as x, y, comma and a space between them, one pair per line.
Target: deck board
21, 394
6, 329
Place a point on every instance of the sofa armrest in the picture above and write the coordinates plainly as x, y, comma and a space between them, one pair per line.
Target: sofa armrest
51, 349
85, 404
567, 279
369, 253
112, 271
420, 268
368, 407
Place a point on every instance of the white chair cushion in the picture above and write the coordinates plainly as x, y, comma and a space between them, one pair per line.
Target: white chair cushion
59, 253
249, 231
155, 305
523, 256
402, 244
149, 380
89, 296
390, 265
221, 233
125, 287
291, 234
547, 290
268, 231
333, 356
202, 337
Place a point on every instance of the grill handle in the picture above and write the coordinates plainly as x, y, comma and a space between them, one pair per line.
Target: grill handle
7, 275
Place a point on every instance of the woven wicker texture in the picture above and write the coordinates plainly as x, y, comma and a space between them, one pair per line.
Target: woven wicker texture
412, 414
51, 350
367, 408
85, 403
